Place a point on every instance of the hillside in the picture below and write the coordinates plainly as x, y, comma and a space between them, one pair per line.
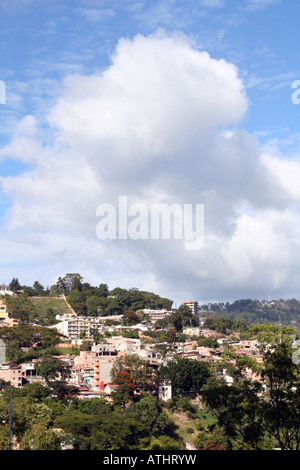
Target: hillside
284, 312
56, 304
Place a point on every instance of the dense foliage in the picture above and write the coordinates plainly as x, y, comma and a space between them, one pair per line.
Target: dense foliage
255, 311
24, 338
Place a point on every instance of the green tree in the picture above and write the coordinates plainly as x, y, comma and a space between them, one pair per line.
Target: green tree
76, 299
68, 283
176, 319
281, 408
39, 438
29, 421
208, 342
63, 391
113, 431
237, 409
38, 289
91, 406
185, 374
93, 305
35, 392
20, 307
165, 443
265, 412
125, 391
139, 370
15, 286
26, 336
50, 367
86, 345
149, 414
188, 318
102, 290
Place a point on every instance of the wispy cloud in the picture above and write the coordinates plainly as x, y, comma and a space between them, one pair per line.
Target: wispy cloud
96, 14
255, 5
212, 3
271, 82
14, 5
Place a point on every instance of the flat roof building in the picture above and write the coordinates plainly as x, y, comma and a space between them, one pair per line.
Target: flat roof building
193, 305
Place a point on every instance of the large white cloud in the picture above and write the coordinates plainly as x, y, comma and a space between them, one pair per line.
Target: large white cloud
157, 95
159, 125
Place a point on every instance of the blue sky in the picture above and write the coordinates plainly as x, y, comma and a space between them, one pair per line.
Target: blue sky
59, 158
46, 42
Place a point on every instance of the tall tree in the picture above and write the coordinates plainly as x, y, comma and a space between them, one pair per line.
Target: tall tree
124, 393
102, 290
38, 289
69, 282
185, 374
257, 413
15, 286
139, 369
50, 367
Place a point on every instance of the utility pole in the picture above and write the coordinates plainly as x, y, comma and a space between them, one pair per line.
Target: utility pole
10, 408
9, 439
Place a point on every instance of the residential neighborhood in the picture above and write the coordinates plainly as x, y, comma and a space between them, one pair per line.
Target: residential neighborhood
90, 371
128, 354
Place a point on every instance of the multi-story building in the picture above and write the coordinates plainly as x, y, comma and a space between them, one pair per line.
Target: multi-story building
77, 327
9, 322
116, 344
3, 310
155, 315
91, 370
11, 372
5, 290
29, 373
193, 305
165, 391
102, 372
104, 349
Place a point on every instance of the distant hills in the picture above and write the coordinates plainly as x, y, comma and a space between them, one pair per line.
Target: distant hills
43, 304
284, 312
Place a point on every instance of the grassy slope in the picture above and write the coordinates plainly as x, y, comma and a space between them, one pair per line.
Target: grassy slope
58, 305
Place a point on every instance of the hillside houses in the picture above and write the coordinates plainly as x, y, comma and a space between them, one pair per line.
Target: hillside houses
90, 371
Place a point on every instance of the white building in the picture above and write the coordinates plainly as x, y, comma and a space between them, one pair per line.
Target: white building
193, 305
192, 331
157, 314
76, 328
5, 290
165, 391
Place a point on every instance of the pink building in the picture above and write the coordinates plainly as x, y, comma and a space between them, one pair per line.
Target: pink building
91, 370
11, 372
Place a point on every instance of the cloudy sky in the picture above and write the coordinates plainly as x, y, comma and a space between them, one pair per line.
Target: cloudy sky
161, 102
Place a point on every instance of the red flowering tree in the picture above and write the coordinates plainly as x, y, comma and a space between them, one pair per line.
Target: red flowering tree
170, 336
130, 317
125, 391
212, 445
